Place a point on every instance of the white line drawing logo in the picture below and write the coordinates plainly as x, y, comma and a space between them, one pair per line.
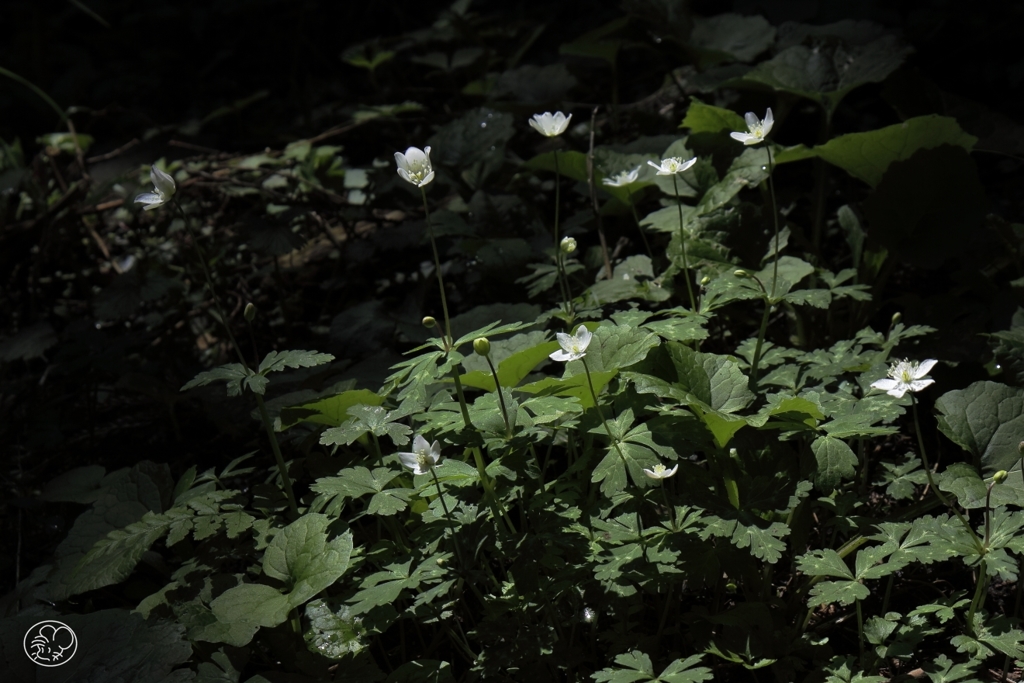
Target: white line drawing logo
50, 643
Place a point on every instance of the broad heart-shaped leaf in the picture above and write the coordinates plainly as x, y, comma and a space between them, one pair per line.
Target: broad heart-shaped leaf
791, 271
866, 156
714, 380
730, 37
301, 557
614, 347
706, 118
332, 411
836, 461
987, 420
275, 361
304, 560
828, 71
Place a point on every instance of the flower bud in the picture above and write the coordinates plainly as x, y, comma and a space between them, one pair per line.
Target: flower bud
482, 346
705, 281
1020, 448
1000, 476
249, 312
896, 317
740, 273
429, 322
568, 245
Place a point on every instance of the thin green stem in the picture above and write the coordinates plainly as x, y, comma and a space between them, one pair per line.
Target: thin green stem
931, 482
668, 506
497, 509
276, 448
563, 280
501, 397
775, 216
636, 219
286, 480
860, 628
448, 514
600, 414
437, 269
760, 343
682, 245
37, 90
462, 398
980, 593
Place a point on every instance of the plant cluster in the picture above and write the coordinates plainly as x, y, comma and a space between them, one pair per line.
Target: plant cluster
699, 450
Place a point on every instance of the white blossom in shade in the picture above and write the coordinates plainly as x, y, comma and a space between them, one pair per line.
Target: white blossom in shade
573, 347
622, 179
164, 187
414, 166
423, 457
904, 376
672, 165
549, 124
757, 129
661, 472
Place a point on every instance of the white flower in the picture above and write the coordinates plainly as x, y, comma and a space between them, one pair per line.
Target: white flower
672, 165
574, 347
661, 472
906, 376
550, 124
423, 457
164, 186
758, 129
414, 166
622, 179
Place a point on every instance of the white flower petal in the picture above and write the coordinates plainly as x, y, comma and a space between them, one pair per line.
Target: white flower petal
561, 356
430, 176
401, 160
163, 182
751, 119
919, 384
149, 198
768, 122
925, 367
671, 472
745, 138
583, 337
884, 384
651, 474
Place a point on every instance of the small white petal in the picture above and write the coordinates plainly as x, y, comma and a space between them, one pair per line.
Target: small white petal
742, 137
768, 122
149, 198
919, 384
401, 160
560, 356
163, 182
430, 176
884, 384
751, 119
925, 368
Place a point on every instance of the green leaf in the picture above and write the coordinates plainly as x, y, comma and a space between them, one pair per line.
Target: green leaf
866, 156
232, 373
746, 532
842, 592
828, 71
824, 563
512, 367
304, 560
730, 37
686, 671
634, 666
706, 118
943, 670
331, 411
571, 387
836, 461
275, 361
987, 420
333, 633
